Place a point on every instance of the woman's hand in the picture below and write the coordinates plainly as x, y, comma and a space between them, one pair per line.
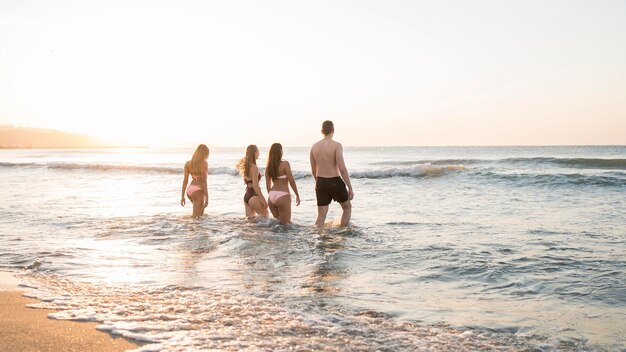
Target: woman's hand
297, 199
206, 200
263, 202
182, 201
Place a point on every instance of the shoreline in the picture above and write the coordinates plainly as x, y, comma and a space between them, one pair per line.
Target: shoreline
29, 329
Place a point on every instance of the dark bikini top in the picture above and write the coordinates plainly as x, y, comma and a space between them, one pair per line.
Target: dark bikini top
250, 181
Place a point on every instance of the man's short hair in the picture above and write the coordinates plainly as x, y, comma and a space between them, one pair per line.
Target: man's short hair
328, 127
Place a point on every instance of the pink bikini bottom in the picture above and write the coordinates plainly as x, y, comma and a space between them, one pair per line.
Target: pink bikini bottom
191, 189
275, 195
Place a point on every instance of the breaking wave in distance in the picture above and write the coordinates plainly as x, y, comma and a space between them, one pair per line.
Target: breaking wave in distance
417, 170
578, 163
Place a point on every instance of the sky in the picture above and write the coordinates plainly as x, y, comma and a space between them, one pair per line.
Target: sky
232, 73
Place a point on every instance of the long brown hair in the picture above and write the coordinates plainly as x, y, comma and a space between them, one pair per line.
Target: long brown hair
200, 155
273, 160
244, 164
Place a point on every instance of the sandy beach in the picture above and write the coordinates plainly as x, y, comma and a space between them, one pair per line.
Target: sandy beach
26, 329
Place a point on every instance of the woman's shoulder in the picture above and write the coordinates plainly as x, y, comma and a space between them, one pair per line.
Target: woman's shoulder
284, 163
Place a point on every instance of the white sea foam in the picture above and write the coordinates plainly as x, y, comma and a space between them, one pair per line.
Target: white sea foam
177, 319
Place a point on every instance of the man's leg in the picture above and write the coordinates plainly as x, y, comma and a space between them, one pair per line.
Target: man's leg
347, 212
321, 215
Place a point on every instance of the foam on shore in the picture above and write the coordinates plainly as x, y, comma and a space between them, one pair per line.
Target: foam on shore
25, 329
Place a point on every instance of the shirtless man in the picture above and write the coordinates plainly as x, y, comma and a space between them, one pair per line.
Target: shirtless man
327, 165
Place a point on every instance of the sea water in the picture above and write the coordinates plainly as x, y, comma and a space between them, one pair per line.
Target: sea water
449, 248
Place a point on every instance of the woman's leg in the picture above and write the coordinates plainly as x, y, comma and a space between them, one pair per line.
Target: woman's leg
284, 209
256, 205
197, 198
249, 210
273, 209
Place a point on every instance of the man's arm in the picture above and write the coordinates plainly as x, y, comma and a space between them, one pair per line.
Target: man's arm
313, 165
343, 170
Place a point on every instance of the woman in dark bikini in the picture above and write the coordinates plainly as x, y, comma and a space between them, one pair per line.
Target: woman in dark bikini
197, 192
278, 171
253, 199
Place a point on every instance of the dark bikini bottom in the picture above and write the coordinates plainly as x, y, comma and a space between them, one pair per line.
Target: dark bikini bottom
249, 194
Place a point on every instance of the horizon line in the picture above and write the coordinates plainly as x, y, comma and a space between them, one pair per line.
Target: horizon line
346, 146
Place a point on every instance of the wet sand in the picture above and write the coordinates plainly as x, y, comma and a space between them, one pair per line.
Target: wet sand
27, 329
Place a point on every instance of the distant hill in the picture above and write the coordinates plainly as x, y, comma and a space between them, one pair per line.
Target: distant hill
24, 137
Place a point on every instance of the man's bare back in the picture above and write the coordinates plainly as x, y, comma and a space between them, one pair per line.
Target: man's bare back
325, 153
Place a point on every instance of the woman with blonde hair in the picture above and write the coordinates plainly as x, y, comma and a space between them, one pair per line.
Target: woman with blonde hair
253, 200
278, 172
197, 192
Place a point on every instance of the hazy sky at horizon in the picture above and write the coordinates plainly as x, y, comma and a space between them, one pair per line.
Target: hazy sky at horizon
386, 72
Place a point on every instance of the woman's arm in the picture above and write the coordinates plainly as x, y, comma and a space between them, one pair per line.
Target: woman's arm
292, 182
205, 173
254, 170
185, 180
268, 181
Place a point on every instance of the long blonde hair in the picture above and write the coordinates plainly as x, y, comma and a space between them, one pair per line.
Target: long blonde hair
244, 164
200, 155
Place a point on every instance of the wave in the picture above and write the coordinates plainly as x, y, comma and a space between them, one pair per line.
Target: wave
580, 163
609, 178
109, 167
417, 170
555, 180
430, 162
117, 167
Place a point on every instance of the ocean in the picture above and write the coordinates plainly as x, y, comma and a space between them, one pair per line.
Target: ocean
449, 248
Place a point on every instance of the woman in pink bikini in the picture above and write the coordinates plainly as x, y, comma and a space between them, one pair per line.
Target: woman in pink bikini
197, 192
253, 200
278, 171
